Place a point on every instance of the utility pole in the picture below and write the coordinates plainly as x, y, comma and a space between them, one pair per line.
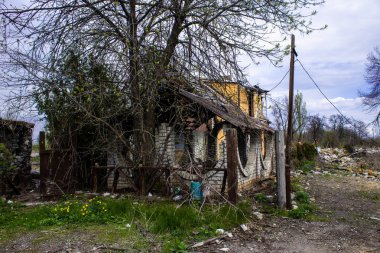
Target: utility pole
290, 127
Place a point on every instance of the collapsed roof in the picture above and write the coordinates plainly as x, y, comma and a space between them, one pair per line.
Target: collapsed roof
212, 100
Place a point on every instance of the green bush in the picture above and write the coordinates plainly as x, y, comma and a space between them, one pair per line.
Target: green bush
177, 246
261, 198
299, 213
348, 148
304, 151
304, 156
6, 160
302, 197
307, 166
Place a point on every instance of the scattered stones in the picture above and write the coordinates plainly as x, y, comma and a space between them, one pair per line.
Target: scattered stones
244, 227
220, 231
177, 197
224, 249
258, 215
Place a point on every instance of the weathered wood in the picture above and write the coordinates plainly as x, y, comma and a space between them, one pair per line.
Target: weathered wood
115, 180
232, 162
280, 169
95, 178
224, 183
167, 182
42, 144
142, 181
290, 127
44, 160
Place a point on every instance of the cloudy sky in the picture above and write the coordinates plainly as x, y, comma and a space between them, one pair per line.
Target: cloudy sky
334, 57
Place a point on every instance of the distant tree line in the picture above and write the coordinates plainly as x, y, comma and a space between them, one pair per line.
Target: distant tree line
334, 131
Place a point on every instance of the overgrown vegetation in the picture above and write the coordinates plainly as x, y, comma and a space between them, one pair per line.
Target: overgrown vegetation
6, 159
304, 208
6, 166
165, 220
304, 156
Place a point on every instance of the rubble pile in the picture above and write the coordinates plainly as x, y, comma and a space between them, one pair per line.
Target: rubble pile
355, 163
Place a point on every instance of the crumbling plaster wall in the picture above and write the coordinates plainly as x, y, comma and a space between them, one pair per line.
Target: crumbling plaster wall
257, 167
164, 145
115, 158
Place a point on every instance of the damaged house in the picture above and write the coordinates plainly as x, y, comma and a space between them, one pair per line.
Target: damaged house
192, 147
189, 144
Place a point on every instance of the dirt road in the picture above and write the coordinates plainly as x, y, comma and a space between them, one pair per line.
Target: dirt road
349, 208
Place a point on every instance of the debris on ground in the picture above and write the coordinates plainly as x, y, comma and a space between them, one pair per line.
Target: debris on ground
220, 231
363, 162
258, 215
244, 227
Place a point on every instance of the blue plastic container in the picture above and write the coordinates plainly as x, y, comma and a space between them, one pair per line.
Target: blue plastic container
196, 190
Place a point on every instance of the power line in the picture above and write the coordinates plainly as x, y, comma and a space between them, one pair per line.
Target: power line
280, 81
336, 108
316, 85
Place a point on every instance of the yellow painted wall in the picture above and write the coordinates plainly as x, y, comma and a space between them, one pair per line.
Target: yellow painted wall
230, 91
219, 138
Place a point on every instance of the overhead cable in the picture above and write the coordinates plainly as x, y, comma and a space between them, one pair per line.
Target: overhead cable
280, 81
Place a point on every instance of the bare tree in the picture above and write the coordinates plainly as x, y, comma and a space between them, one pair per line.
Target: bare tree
300, 115
146, 46
280, 114
315, 128
372, 76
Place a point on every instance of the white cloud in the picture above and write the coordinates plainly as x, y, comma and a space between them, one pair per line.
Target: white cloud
335, 58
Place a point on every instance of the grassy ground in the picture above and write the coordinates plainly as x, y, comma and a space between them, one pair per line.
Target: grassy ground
117, 223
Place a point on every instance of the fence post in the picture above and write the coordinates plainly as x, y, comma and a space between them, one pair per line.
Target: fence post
95, 174
232, 180
44, 163
42, 145
280, 169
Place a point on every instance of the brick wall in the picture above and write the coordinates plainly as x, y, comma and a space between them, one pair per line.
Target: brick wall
115, 158
165, 145
255, 167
